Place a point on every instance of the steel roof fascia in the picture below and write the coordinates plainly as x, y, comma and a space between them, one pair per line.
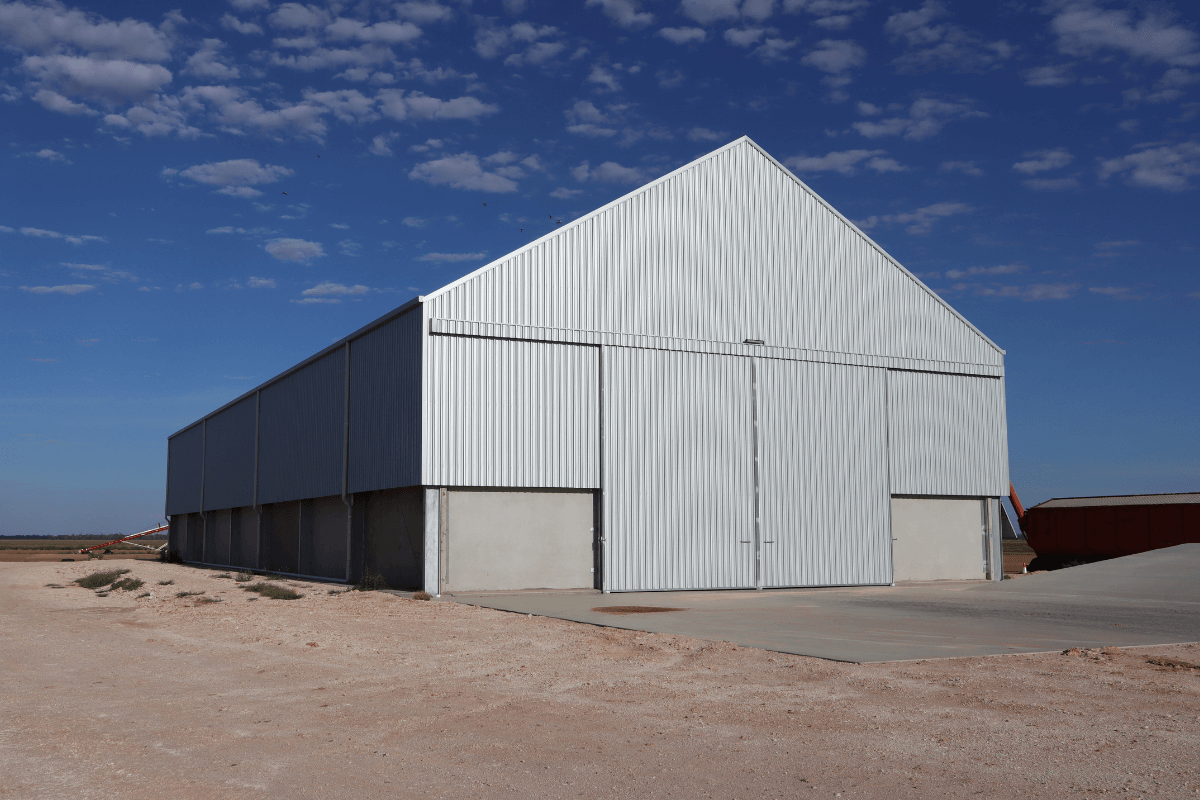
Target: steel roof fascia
370, 326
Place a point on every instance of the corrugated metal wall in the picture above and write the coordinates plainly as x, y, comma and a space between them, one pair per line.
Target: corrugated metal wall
505, 413
385, 405
678, 463
823, 483
947, 435
185, 462
229, 456
733, 247
301, 437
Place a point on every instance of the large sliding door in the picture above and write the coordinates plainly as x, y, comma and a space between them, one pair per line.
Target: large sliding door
822, 474
678, 470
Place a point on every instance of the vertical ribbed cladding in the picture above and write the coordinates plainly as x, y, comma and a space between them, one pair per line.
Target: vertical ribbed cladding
229, 457
513, 414
302, 432
678, 462
947, 435
385, 406
731, 248
823, 482
185, 470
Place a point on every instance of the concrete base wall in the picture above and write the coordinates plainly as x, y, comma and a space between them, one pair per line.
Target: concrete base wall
937, 539
500, 540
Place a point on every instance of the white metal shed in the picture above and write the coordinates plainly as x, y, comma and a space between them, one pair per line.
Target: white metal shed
716, 381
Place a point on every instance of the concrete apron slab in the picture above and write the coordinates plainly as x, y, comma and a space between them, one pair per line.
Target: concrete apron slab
914, 621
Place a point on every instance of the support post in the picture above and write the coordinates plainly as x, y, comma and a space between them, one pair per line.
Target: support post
431, 549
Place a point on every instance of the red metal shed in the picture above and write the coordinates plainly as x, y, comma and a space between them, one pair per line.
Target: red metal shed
1095, 528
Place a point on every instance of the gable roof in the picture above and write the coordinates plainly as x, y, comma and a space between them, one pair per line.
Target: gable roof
646, 188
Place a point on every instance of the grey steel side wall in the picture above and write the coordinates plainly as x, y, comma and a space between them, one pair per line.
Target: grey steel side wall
947, 435
823, 485
678, 508
229, 457
302, 432
385, 406
511, 414
185, 461
730, 248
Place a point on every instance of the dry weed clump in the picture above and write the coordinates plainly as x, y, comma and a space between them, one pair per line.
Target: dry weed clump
422, 595
128, 584
98, 579
192, 593
273, 591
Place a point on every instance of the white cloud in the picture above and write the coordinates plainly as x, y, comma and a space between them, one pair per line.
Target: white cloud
845, 162
207, 62
1049, 75
236, 177
625, 13
294, 16
246, 28
835, 56
49, 27
250, 5
743, 37
926, 117
1050, 184
72, 288
1043, 161
47, 154
348, 105
706, 135
329, 289
56, 102
834, 15
424, 13
683, 35
462, 171
102, 271
415, 222
1001, 269
398, 106
235, 113
941, 45
493, 42
965, 167
380, 145
105, 80
603, 77
708, 11
1164, 167
294, 250
670, 78
1031, 292
42, 233
920, 221
262, 283
452, 257
562, 193
608, 172
1085, 29
385, 33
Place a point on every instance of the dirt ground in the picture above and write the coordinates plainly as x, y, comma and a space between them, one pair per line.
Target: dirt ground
370, 695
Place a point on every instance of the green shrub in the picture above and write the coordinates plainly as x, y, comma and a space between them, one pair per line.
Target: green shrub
189, 594
273, 591
223, 575
244, 577
165, 583
98, 579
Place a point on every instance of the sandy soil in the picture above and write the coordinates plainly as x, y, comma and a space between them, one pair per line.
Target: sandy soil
365, 695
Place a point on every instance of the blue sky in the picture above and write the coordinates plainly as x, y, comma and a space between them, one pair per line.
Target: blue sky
197, 199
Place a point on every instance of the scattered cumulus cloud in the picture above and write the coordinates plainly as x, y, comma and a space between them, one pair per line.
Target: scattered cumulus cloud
462, 171
236, 177
683, 35
562, 193
845, 162
297, 250
920, 221
42, 233
71, 288
261, 283
931, 41
926, 117
608, 172
1169, 167
1043, 161
625, 13
965, 167
1149, 33
452, 257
